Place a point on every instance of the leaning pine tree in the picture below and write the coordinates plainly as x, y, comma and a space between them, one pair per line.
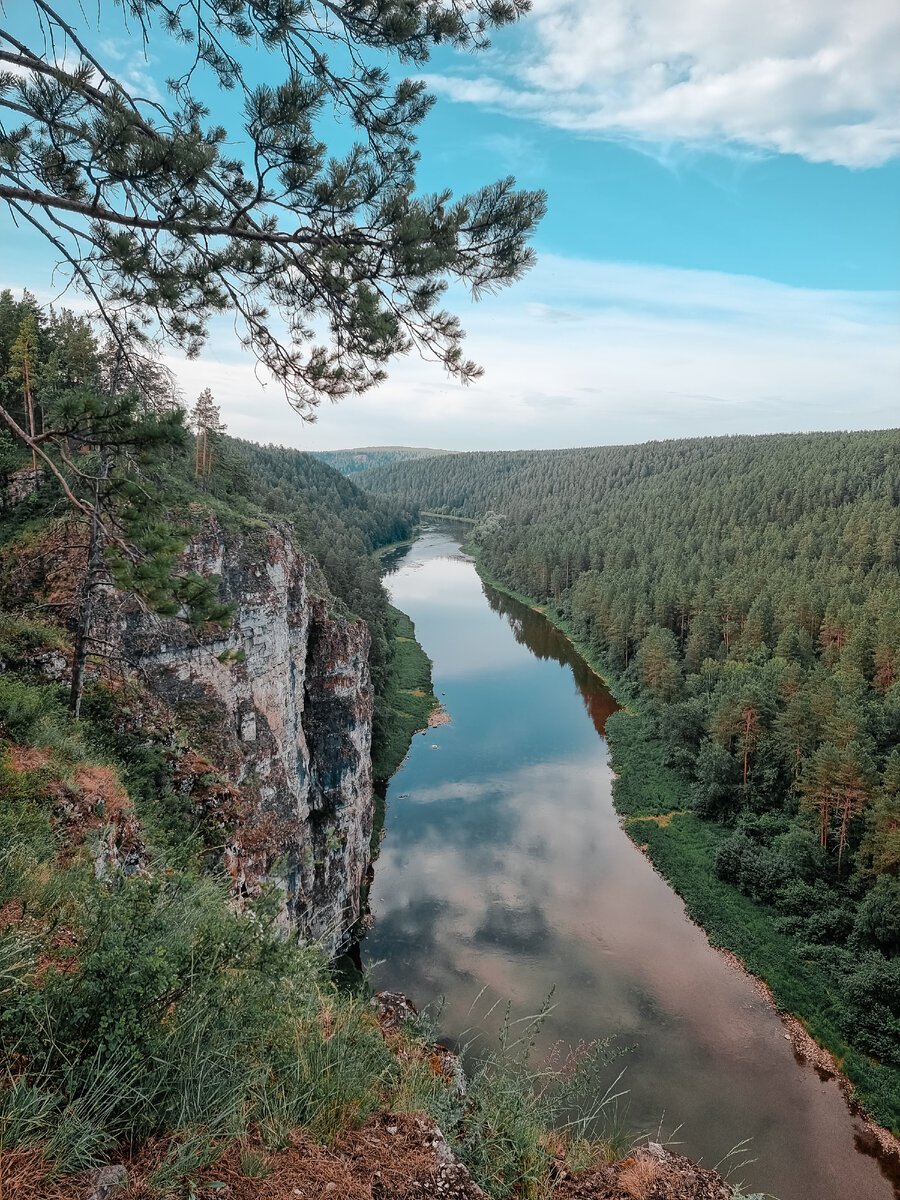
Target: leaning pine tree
330, 264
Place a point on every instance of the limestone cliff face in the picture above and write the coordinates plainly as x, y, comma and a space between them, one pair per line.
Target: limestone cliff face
283, 701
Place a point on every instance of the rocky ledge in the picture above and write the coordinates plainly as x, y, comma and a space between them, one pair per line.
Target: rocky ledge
269, 716
282, 702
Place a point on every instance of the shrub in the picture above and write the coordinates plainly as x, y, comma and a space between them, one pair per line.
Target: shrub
878, 919
869, 1006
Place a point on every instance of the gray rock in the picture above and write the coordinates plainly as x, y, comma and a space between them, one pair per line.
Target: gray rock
287, 701
105, 1183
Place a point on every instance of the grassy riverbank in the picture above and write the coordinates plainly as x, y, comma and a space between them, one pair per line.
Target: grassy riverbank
408, 697
683, 849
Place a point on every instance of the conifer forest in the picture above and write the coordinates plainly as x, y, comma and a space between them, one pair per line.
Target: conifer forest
744, 595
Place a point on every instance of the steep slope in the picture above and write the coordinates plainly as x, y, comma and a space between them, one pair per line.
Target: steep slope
366, 458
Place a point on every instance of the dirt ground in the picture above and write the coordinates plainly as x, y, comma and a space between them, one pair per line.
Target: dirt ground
393, 1157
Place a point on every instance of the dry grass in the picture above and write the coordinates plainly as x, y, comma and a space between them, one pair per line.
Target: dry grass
637, 1177
23, 1175
28, 758
393, 1157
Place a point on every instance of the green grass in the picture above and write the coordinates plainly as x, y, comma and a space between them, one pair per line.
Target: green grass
408, 700
645, 787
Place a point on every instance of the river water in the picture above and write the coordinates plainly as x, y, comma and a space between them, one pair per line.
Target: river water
503, 868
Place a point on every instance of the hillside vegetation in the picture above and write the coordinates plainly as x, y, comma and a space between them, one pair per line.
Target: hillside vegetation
744, 593
147, 1019
366, 458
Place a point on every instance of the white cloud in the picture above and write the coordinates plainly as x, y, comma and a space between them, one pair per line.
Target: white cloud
582, 353
816, 78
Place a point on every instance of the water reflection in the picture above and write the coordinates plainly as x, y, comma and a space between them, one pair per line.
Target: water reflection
504, 866
530, 628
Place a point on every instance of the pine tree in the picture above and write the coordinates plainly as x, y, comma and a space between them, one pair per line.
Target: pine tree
23, 366
207, 423
164, 218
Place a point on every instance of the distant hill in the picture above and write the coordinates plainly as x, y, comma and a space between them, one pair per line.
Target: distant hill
364, 458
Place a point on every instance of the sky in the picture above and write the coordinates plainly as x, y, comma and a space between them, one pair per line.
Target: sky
721, 252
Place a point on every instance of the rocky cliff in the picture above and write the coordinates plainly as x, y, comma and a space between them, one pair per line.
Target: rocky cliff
281, 702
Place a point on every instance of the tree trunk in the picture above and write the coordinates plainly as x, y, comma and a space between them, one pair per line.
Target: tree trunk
93, 577
30, 406
844, 815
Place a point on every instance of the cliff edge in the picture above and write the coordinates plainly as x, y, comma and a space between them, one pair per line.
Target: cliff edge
278, 703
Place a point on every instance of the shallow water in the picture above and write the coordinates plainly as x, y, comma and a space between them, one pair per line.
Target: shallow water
504, 868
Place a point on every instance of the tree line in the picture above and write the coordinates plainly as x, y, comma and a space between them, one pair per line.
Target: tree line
746, 590
113, 452
365, 458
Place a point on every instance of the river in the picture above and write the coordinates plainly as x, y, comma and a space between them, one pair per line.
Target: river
504, 868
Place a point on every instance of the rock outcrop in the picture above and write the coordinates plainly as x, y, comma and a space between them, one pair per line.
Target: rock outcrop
19, 485
281, 702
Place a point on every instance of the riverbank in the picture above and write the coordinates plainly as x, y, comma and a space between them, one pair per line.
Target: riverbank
409, 700
682, 849
381, 552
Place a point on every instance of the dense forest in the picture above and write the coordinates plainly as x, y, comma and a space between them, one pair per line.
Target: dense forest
744, 594
365, 458
48, 364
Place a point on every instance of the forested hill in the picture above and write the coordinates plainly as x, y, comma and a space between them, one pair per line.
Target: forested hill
745, 593
366, 458
671, 531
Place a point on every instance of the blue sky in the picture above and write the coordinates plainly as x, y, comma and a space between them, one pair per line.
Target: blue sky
721, 252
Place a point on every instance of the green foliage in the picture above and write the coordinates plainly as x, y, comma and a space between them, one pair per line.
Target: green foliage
742, 594
408, 699
512, 1101
30, 714
261, 218
646, 786
20, 638
878, 919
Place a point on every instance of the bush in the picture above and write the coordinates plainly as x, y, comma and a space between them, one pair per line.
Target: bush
29, 713
878, 919
717, 792
869, 1006
757, 871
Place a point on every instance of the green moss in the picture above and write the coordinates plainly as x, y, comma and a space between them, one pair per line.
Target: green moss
228, 657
